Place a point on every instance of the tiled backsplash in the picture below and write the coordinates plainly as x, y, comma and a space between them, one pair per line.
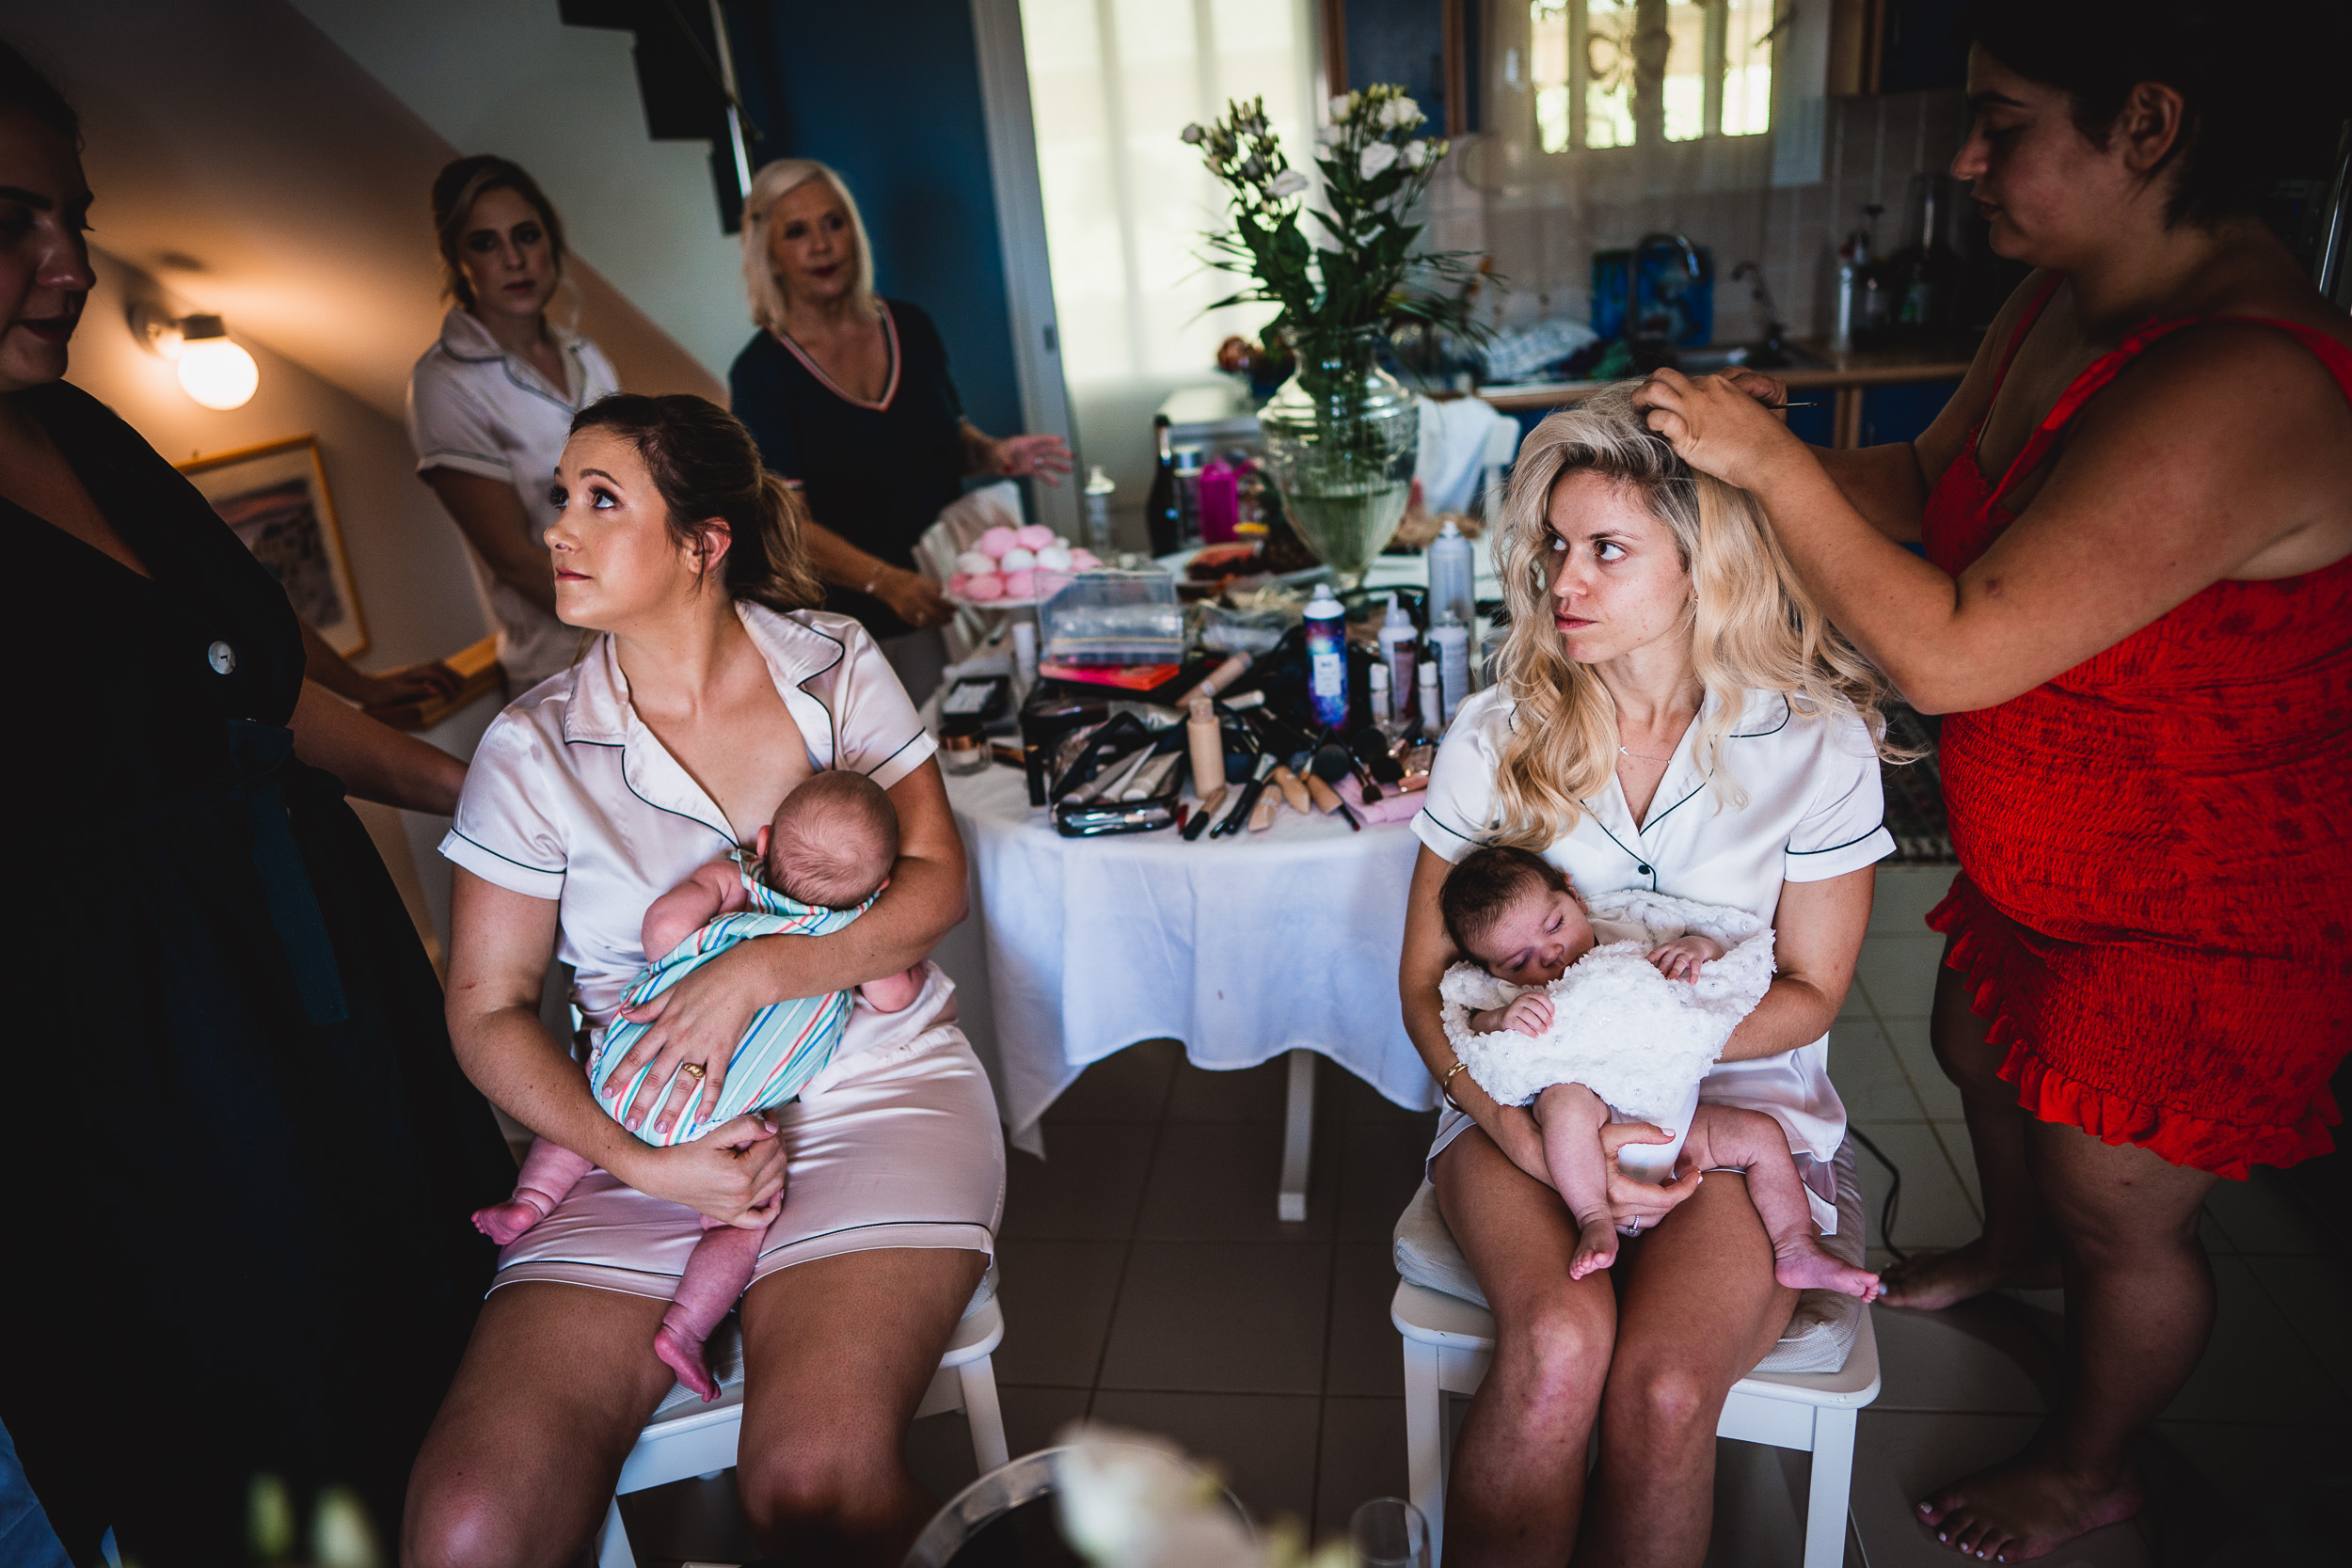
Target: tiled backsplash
1543, 239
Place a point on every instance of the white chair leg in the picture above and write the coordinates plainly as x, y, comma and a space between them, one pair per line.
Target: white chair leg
981, 1411
1826, 1497
1298, 1137
613, 1541
1424, 1441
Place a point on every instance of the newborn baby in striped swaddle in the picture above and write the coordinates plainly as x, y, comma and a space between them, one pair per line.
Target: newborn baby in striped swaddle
820, 864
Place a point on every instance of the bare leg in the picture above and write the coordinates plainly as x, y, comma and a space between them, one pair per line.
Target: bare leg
716, 1274
1700, 1309
1571, 1117
838, 1353
1517, 1493
2138, 1311
2018, 1246
1753, 1141
550, 1171
521, 1462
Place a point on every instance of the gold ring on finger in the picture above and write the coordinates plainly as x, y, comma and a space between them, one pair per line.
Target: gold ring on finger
693, 1070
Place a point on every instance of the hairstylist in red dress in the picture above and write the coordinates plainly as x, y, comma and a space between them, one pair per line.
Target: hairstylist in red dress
2137, 610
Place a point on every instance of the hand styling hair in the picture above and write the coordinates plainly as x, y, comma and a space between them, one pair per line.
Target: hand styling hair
707, 469
1753, 627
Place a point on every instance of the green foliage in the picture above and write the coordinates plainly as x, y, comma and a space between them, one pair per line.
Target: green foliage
1362, 270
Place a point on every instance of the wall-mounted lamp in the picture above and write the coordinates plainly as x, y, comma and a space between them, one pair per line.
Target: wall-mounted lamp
214, 369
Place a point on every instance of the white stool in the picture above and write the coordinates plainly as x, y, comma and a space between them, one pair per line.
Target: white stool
687, 1437
1450, 1341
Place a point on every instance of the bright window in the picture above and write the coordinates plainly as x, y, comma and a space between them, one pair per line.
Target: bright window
1627, 73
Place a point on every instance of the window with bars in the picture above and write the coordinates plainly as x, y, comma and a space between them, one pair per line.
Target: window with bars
1611, 74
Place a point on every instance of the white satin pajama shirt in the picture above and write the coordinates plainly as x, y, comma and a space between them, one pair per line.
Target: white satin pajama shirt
1814, 808
570, 797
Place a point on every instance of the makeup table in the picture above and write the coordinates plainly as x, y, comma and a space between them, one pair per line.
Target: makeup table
1243, 948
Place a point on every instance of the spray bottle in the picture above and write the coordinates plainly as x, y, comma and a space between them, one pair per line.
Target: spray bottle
1452, 576
1396, 647
1449, 650
1326, 658
1099, 488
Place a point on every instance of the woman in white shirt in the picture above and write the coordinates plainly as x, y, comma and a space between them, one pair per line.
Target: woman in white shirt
708, 697
491, 402
1672, 714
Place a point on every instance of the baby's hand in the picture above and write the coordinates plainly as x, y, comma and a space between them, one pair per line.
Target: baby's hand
1679, 960
1530, 1015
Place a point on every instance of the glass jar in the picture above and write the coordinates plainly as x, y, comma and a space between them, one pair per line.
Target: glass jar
1340, 438
964, 746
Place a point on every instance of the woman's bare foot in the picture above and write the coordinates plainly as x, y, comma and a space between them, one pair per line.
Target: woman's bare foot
503, 1222
1596, 1248
1804, 1266
1930, 1281
684, 1356
2024, 1507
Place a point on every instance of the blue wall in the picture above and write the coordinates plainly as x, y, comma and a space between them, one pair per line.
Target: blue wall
890, 95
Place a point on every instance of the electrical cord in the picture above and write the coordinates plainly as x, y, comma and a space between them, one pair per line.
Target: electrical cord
1894, 1191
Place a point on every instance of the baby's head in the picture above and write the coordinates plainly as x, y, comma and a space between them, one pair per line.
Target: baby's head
833, 841
1513, 911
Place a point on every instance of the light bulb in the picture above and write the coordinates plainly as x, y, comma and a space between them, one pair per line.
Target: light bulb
218, 374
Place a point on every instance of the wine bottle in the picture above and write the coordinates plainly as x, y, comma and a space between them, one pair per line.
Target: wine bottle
1163, 510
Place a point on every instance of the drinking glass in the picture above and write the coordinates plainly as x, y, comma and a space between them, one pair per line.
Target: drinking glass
1389, 1532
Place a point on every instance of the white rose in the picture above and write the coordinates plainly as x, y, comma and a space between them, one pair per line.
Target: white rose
1289, 182
1329, 135
1194, 136
1339, 109
1416, 154
1375, 159
1400, 111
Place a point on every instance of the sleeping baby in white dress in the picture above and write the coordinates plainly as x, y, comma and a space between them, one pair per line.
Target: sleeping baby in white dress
1589, 1027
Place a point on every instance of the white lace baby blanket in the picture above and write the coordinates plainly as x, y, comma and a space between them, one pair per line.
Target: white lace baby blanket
1634, 1038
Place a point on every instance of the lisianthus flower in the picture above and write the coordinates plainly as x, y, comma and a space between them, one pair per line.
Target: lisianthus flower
1375, 159
1287, 183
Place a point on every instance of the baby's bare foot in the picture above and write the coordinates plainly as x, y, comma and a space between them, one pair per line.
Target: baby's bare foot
503, 1222
1806, 1267
684, 1356
1596, 1249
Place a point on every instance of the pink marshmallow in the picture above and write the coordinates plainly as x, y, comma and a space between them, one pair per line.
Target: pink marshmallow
996, 540
984, 585
960, 584
1035, 536
1020, 585
1084, 560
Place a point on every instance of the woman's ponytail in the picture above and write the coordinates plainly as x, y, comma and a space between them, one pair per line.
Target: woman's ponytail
705, 465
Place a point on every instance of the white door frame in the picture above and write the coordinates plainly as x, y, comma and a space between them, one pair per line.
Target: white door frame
1021, 228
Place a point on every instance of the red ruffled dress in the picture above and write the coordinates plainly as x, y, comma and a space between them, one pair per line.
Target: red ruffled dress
2155, 906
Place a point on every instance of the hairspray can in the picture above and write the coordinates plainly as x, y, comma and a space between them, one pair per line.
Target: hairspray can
1326, 658
1449, 650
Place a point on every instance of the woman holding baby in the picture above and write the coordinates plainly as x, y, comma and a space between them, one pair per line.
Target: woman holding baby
1672, 715
712, 695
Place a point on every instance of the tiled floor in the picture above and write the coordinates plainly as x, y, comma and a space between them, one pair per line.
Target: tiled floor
1147, 1282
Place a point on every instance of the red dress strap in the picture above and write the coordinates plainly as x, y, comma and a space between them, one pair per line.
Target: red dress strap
2333, 355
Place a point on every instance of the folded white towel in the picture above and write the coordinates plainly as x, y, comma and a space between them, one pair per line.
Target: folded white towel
1624, 1031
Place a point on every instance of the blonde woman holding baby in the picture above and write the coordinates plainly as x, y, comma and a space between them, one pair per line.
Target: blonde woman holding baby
1673, 715
595, 806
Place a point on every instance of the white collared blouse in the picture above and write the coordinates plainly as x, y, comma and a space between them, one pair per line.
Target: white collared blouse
571, 798
1814, 808
477, 409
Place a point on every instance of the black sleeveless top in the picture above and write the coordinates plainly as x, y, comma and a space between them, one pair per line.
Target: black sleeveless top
876, 473
246, 1152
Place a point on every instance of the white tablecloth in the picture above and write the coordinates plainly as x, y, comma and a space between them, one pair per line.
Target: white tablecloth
1242, 948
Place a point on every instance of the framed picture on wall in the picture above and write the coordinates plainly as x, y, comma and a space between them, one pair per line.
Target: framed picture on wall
274, 497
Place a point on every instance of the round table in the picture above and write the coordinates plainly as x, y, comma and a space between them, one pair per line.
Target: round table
1243, 948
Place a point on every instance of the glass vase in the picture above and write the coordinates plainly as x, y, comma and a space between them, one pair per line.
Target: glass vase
1340, 438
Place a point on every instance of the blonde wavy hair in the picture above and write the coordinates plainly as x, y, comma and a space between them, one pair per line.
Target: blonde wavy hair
771, 185
1752, 626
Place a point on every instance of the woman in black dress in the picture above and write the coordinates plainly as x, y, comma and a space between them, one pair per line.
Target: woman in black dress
848, 398
242, 1154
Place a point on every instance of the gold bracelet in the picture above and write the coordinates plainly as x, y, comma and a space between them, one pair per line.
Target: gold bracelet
1445, 1088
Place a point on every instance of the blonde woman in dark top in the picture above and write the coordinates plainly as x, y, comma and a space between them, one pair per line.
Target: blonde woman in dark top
849, 396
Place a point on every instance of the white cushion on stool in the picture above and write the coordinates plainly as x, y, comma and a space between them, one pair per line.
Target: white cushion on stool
1817, 1339
725, 1353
